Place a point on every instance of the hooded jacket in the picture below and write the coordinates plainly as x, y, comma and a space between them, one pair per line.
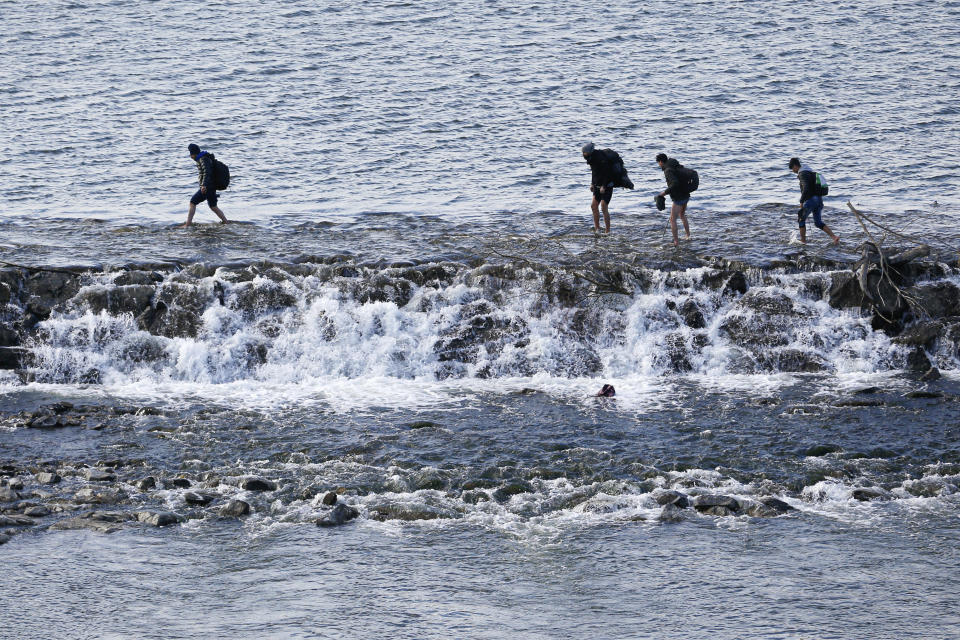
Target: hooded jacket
601, 169
808, 183
205, 169
672, 173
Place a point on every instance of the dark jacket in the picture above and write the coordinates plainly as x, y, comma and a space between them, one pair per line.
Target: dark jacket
601, 169
673, 174
205, 167
808, 183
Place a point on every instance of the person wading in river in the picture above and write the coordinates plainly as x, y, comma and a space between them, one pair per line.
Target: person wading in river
812, 190
208, 185
678, 187
602, 182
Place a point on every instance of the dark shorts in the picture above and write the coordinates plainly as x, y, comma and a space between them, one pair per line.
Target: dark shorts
210, 196
812, 206
680, 198
602, 197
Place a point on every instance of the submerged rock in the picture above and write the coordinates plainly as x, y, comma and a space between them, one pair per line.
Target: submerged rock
670, 513
199, 498
100, 475
717, 505
235, 509
158, 519
340, 514
330, 498
38, 511
146, 484
255, 483
8, 495
866, 494
48, 478
14, 520
675, 498
99, 521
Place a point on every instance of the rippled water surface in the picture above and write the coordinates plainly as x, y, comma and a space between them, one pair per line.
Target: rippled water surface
413, 314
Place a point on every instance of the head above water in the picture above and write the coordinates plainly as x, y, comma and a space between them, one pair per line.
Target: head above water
587, 149
794, 164
661, 159
193, 149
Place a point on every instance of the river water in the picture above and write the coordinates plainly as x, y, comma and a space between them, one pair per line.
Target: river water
413, 314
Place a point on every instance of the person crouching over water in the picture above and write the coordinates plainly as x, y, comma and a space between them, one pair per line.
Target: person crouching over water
811, 199
208, 189
601, 184
678, 188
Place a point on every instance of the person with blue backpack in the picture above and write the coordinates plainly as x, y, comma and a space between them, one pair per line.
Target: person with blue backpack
812, 189
214, 175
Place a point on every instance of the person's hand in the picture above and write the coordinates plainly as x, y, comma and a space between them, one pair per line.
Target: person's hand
601, 189
203, 189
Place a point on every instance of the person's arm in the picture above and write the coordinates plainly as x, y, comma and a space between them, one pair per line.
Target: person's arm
808, 181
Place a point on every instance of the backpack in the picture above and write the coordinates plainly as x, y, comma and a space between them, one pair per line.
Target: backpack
221, 175
691, 180
822, 187
619, 172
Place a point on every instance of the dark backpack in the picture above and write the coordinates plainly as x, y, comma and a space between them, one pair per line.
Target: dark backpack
691, 180
221, 175
617, 170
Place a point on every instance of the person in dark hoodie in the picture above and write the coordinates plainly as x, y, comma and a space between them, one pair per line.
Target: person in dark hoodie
208, 190
810, 200
601, 184
672, 173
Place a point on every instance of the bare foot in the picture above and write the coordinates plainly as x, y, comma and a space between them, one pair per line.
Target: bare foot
688, 237
182, 226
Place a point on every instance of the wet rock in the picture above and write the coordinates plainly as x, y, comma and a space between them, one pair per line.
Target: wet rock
47, 477
921, 334
924, 394
100, 475
4, 538
918, 361
330, 498
198, 498
51, 287
12, 357
670, 513
717, 505
867, 391
778, 505
16, 521
428, 479
866, 494
931, 374
503, 494
844, 291
146, 484
407, 512
675, 498
255, 483
100, 521
89, 495
9, 336
138, 277
819, 450
692, 316
38, 511
262, 295
131, 299
736, 284
8, 495
235, 509
474, 497
178, 483
859, 402
158, 518
15, 483
938, 299
340, 514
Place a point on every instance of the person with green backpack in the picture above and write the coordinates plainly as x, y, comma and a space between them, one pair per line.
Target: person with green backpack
214, 175
812, 189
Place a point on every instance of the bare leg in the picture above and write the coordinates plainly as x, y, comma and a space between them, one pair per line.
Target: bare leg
674, 212
606, 215
803, 235
595, 207
835, 238
683, 218
223, 218
190, 212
